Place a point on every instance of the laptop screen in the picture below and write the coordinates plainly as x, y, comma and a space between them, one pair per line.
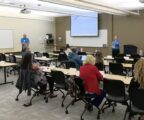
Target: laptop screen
83, 57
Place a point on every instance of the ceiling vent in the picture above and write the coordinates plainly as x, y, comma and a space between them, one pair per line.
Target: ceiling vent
25, 11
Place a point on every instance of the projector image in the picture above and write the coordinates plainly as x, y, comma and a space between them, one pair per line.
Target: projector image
142, 1
25, 11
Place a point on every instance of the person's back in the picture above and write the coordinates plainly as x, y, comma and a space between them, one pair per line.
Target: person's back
76, 59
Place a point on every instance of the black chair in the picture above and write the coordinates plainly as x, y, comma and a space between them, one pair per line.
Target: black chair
60, 83
27, 83
100, 66
116, 68
46, 54
82, 53
136, 103
115, 93
70, 64
119, 60
14, 69
62, 57
2, 57
82, 96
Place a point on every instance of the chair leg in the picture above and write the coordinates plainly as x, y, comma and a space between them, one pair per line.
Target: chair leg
18, 95
127, 109
83, 113
98, 114
30, 103
64, 100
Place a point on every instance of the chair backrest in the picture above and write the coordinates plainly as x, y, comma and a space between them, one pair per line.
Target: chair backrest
116, 68
12, 58
59, 78
115, 88
82, 53
46, 54
70, 64
2, 57
62, 56
100, 66
80, 84
137, 98
119, 60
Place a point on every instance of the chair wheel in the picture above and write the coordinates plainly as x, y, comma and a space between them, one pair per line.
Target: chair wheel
66, 112
46, 101
63, 96
72, 103
113, 110
98, 117
12, 83
62, 105
16, 99
27, 105
82, 119
102, 111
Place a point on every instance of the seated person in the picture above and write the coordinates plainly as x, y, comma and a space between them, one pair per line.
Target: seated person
138, 80
99, 60
35, 76
68, 49
74, 57
91, 75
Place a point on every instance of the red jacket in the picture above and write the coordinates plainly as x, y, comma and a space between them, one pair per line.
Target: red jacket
90, 74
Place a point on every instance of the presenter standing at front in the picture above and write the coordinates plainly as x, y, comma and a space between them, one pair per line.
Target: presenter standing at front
115, 46
25, 42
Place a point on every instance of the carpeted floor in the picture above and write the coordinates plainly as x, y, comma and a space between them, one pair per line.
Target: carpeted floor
14, 110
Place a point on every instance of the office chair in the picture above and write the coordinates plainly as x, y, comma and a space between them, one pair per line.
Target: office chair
69, 64
60, 83
2, 57
119, 60
46, 54
82, 96
82, 53
62, 57
136, 103
115, 93
100, 66
116, 68
26, 82
12, 59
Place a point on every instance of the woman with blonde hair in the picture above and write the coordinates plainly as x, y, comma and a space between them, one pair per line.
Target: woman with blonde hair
91, 75
139, 72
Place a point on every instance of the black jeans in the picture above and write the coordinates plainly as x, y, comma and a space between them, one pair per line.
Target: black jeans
51, 83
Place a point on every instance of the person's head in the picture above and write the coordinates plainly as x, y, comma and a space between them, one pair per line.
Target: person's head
67, 46
139, 72
115, 37
24, 35
89, 60
74, 50
99, 57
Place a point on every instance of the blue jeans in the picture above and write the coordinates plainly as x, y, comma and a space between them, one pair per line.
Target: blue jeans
95, 99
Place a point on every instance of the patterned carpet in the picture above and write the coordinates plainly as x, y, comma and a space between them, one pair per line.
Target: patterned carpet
14, 110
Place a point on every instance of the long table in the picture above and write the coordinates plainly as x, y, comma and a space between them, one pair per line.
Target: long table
74, 72
4, 65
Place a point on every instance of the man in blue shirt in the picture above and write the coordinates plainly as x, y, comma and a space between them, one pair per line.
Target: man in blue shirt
25, 42
115, 46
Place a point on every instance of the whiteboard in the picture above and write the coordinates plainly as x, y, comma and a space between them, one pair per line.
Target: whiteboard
100, 41
6, 38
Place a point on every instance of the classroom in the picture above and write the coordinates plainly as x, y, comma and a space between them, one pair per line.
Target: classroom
71, 59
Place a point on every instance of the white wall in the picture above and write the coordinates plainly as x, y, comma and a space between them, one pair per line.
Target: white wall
35, 30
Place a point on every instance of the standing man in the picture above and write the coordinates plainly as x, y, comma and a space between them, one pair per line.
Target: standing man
25, 42
115, 46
